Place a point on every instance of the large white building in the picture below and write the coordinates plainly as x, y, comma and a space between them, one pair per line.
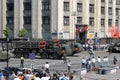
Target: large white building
57, 19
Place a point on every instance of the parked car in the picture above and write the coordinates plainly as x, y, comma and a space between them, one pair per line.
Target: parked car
115, 47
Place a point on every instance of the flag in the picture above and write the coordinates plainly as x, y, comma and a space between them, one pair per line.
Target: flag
86, 28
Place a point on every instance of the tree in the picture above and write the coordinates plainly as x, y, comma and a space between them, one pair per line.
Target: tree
22, 32
7, 31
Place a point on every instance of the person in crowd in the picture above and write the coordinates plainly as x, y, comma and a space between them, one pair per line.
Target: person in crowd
65, 76
114, 60
106, 59
22, 62
55, 77
69, 65
37, 77
60, 76
42, 72
13, 76
47, 67
98, 59
45, 77
83, 62
88, 65
1, 73
93, 61
28, 74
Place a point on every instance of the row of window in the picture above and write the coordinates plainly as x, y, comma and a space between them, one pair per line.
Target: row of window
46, 20
27, 20
111, 1
91, 21
91, 8
27, 6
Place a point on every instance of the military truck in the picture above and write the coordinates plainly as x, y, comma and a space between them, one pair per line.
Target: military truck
76, 47
45, 48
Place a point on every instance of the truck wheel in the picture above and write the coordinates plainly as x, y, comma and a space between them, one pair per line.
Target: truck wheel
18, 55
56, 56
26, 55
44, 56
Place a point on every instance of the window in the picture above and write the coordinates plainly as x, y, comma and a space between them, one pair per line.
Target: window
110, 11
27, 20
102, 0
10, 6
10, 20
92, 8
117, 2
91, 21
110, 1
66, 20
109, 22
66, 6
102, 22
79, 20
117, 11
46, 20
102, 10
46, 5
27, 6
116, 23
79, 7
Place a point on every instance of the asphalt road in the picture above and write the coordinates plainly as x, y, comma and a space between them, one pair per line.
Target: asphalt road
58, 65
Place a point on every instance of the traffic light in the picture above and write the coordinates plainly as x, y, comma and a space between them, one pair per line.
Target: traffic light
56, 42
42, 44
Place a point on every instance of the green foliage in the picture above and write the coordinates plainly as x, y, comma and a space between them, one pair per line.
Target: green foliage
22, 32
7, 31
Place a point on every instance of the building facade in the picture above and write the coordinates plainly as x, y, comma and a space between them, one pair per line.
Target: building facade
57, 19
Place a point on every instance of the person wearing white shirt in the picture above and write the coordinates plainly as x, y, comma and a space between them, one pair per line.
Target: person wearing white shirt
45, 77
47, 67
93, 61
83, 62
99, 59
69, 65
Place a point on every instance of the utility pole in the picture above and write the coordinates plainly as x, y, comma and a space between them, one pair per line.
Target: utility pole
7, 39
74, 14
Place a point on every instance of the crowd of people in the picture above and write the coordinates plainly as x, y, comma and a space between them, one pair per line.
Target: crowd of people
93, 62
37, 74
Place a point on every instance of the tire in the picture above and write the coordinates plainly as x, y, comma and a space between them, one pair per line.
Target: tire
56, 56
44, 56
26, 55
18, 55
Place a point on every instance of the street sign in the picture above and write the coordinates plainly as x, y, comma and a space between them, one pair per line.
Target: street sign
91, 35
32, 56
90, 41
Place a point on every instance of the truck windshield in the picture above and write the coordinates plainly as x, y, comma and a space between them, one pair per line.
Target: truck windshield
67, 47
79, 45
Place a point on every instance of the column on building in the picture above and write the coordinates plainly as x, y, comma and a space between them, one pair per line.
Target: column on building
56, 19
85, 13
106, 20
37, 19
97, 8
114, 12
18, 17
73, 18
2, 17
60, 20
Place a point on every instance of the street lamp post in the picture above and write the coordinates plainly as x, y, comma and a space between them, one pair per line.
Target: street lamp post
7, 52
74, 15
